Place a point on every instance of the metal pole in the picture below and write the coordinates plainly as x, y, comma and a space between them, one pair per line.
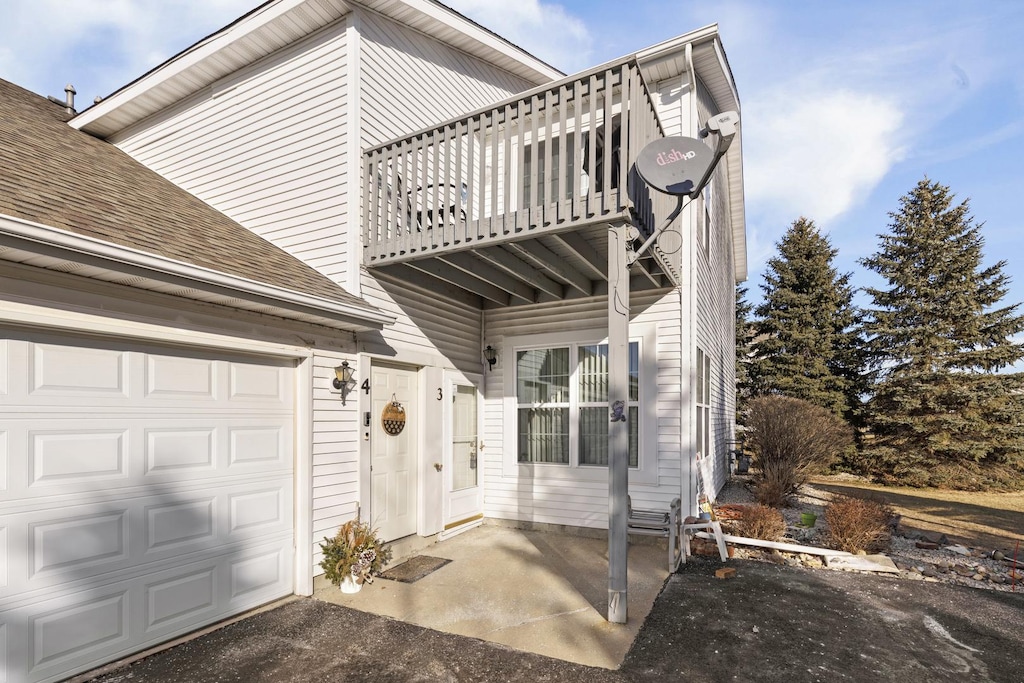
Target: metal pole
618, 426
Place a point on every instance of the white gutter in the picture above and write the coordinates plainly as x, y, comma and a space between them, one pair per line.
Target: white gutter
685, 41
119, 256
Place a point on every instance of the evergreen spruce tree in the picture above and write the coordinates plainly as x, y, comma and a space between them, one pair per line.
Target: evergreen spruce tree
744, 351
806, 325
941, 413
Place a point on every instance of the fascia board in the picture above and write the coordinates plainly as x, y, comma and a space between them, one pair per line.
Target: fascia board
183, 61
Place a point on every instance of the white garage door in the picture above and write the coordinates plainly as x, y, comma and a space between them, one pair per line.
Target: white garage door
144, 492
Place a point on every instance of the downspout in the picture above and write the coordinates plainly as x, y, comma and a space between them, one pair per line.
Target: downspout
689, 328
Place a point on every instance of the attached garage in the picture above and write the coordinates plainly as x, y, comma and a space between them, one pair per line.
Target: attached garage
148, 492
165, 396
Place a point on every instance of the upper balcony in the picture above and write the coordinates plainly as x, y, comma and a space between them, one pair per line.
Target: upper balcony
511, 203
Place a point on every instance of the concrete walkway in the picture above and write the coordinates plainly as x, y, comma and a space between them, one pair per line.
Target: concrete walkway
536, 591
770, 624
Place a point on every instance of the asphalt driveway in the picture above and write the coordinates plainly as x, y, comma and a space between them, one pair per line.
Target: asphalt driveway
770, 623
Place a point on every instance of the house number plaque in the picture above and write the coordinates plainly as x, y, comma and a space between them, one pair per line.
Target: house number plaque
392, 418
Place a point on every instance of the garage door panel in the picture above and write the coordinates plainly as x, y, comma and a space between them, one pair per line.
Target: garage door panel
5, 553
75, 453
4, 462
74, 371
181, 597
259, 383
71, 630
5, 651
174, 525
78, 631
78, 543
52, 374
255, 446
253, 511
180, 449
180, 378
144, 493
5, 373
258, 574
64, 455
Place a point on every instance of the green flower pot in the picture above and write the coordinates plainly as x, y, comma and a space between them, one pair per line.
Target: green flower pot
808, 519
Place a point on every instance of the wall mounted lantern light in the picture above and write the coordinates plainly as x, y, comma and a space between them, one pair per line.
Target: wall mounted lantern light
343, 379
491, 356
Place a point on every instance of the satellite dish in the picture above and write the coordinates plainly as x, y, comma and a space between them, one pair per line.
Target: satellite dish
674, 165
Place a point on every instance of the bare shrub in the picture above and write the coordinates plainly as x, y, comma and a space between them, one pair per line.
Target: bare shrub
791, 439
858, 524
761, 521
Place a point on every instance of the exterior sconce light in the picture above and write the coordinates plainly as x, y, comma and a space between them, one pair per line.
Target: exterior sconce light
343, 379
491, 356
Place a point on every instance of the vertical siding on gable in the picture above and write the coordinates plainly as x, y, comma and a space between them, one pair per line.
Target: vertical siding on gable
267, 146
569, 501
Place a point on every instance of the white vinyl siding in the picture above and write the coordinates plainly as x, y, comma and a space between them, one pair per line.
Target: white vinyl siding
409, 81
583, 500
335, 452
715, 305
428, 323
268, 147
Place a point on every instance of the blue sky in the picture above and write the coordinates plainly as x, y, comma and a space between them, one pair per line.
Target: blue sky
845, 106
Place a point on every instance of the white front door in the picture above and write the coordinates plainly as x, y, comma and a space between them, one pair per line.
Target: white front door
394, 452
463, 501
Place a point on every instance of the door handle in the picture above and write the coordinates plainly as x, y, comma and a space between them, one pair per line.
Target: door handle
438, 466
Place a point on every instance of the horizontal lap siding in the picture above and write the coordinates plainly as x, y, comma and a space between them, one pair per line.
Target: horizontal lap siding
578, 502
335, 454
267, 146
427, 323
410, 81
716, 319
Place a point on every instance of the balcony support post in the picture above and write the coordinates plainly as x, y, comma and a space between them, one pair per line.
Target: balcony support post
618, 427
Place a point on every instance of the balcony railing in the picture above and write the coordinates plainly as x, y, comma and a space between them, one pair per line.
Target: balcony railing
555, 158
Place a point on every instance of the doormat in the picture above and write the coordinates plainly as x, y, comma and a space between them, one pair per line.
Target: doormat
414, 569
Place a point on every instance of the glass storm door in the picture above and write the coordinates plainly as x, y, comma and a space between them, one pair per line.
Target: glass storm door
463, 502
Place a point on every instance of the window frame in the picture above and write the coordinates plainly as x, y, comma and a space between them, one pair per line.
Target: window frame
703, 446
647, 465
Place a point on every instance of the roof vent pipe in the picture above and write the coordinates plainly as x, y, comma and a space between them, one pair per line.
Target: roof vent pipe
69, 100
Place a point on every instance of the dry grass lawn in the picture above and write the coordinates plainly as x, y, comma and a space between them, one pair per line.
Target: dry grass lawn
991, 520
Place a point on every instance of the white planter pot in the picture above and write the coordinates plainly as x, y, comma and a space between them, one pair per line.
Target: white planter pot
349, 585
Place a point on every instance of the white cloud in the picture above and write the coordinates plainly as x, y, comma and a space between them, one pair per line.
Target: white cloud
545, 30
100, 45
815, 153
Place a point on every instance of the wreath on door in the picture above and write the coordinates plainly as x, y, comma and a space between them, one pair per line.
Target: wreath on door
392, 418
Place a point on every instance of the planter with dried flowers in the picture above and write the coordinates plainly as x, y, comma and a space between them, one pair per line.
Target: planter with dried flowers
354, 556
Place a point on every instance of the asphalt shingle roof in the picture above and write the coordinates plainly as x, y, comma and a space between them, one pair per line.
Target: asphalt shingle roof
55, 175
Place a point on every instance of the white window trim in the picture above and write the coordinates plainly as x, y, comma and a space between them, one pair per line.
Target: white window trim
647, 472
